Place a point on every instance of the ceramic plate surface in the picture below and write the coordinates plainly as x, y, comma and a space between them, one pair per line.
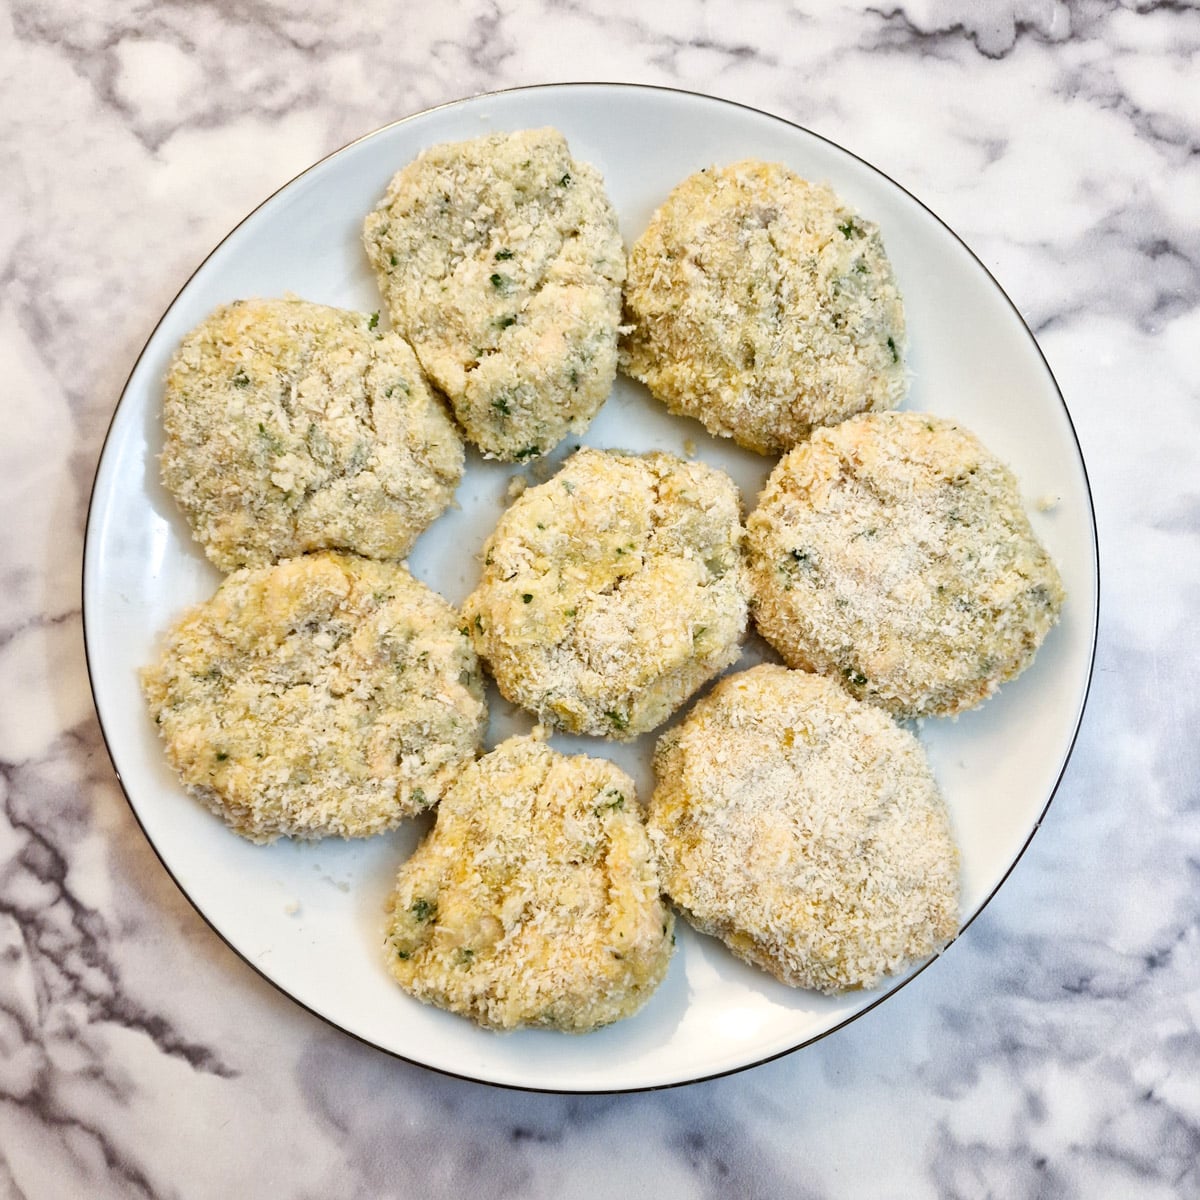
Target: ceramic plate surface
309, 917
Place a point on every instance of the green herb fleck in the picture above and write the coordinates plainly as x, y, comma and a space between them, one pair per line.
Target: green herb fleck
527, 452
505, 321
613, 801
418, 796
528, 597
479, 622
569, 613
803, 557
241, 379
503, 255
568, 487
373, 321
500, 404
617, 719
222, 755
566, 179
892, 348
466, 956
501, 282
424, 910
848, 230
393, 260
855, 677
404, 954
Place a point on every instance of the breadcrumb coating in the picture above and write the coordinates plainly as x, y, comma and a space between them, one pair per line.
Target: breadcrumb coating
327, 695
292, 427
762, 305
535, 900
613, 591
805, 830
501, 261
892, 553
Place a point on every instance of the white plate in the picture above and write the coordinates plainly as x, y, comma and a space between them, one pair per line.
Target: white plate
309, 917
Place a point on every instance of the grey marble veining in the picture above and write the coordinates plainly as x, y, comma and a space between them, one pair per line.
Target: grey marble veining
1055, 1052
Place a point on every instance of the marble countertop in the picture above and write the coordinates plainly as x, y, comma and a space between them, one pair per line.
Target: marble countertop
1055, 1052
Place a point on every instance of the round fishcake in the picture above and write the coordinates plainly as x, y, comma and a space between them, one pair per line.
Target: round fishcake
501, 261
535, 899
805, 830
293, 427
892, 552
325, 695
760, 304
613, 591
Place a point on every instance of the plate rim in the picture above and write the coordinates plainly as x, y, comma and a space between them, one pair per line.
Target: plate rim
1094, 562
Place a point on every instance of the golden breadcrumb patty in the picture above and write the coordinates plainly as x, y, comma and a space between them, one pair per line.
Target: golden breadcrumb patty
805, 830
293, 427
535, 900
325, 695
892, 553
762, 305
613, 591
501, 261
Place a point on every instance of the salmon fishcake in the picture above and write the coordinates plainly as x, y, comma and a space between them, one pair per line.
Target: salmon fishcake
892, 553
762, 305
535, 899
292, 427
501, 261
613, 591
805, 830
326, 695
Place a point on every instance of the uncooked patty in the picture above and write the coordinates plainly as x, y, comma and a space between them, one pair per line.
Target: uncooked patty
613, 591
762, 305
805, 830
501, 261
535, 899
325, 695
892, 552
293, 427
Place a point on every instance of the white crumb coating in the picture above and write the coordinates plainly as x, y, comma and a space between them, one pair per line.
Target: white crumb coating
613, 591
892, 553
762, 305
805, 830
327, 695
535, 900
292, 427
501, 261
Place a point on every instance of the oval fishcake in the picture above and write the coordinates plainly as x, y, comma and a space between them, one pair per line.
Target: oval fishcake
501, 261
892, 553
292, 427
326, 695
535, 899
805, 830
613, 591
762, 305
